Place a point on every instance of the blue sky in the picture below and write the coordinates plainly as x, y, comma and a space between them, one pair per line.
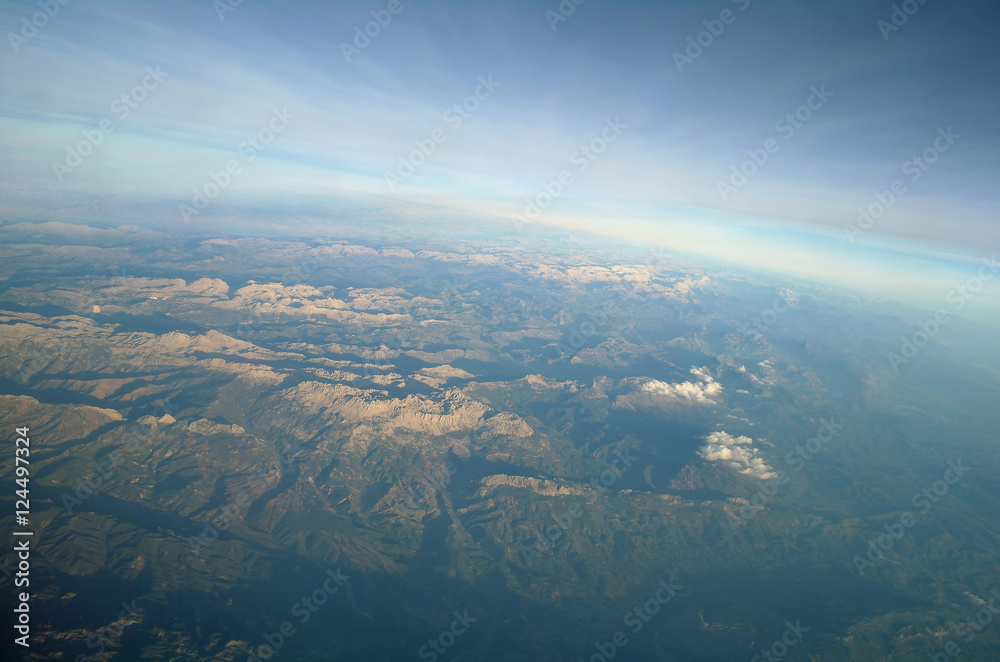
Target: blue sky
348, 123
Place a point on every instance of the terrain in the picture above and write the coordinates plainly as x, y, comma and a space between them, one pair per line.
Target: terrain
505, 447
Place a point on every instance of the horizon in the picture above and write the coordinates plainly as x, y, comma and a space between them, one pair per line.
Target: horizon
598, 117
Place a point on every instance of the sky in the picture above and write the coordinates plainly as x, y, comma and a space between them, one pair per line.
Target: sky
626, 119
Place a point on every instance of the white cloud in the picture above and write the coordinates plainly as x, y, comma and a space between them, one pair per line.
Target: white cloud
702, 374
693, 393
736, 453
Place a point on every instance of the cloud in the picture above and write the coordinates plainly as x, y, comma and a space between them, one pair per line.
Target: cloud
702, 374
692, 393
736, 453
